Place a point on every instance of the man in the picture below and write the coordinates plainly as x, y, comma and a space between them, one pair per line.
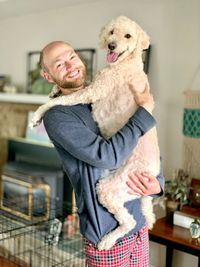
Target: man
86, 156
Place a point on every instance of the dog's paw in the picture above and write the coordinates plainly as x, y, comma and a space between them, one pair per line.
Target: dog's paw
36, 120
34, 124
106, 243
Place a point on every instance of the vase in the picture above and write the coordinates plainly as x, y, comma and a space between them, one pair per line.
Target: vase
195, 196
195, 228
171, 207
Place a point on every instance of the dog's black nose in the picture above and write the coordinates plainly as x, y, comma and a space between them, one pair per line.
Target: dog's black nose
112, 45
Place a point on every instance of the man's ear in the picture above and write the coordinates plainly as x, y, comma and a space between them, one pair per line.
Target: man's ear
47, 77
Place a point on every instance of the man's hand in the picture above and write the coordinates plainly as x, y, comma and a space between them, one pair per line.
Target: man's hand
143, 99
143, 184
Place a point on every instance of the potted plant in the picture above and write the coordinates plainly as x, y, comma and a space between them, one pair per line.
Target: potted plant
177, 192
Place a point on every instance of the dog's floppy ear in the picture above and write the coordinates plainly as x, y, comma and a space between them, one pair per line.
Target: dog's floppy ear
143, 38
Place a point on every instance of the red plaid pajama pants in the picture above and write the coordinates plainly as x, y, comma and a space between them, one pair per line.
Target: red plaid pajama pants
131, 251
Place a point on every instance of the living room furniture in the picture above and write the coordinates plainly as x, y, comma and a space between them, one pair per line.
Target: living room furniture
174, 237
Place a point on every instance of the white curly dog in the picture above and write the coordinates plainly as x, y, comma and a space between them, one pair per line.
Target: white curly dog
112, 106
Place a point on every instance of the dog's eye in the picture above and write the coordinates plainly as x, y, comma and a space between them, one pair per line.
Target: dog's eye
127, 36
111, 32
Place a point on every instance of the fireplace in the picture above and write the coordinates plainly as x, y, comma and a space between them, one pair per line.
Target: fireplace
33, 182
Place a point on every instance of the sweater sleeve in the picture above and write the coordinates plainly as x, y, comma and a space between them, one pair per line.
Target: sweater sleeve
161, 180
69, 132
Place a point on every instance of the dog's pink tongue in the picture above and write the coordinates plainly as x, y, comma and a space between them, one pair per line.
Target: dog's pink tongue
112, 57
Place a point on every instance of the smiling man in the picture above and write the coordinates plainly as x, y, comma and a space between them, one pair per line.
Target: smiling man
86, 157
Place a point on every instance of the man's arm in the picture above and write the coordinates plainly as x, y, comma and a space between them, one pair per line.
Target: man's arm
68, 131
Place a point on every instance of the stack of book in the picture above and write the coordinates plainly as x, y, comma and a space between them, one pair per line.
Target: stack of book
186, 216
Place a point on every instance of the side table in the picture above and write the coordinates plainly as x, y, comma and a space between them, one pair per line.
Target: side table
174, 237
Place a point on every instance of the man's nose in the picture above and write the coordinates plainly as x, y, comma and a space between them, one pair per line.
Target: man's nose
68, 65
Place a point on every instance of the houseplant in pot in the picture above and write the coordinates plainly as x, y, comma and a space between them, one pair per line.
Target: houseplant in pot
177, 192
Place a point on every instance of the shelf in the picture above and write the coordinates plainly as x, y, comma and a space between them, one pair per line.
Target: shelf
28, 151
23, 98
31, 141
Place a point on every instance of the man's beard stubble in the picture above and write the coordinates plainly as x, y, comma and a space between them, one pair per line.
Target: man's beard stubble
64, 83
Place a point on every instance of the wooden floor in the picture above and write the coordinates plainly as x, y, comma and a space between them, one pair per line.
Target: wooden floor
6, 263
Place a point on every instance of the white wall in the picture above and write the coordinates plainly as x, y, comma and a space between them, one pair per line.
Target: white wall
174, 28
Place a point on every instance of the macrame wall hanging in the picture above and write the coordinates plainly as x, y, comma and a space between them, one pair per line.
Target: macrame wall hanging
191, 130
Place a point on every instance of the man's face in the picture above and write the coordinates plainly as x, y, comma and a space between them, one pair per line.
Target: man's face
64, 67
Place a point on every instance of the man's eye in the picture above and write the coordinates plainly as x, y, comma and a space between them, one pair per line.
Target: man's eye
72, 57
59, 65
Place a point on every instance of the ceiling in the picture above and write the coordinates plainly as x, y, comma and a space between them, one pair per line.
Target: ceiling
13, 8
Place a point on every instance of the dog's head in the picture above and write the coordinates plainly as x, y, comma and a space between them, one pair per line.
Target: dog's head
121, 37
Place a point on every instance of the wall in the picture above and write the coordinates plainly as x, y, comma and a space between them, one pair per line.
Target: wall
174, 28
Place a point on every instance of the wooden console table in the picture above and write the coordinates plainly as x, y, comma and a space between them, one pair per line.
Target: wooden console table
174, 237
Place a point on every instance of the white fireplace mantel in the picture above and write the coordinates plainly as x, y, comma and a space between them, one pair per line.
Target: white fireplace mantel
23, 98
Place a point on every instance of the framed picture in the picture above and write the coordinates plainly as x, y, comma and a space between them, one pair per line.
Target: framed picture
3, 80
88, 56
145, 58
37, 85
35, 82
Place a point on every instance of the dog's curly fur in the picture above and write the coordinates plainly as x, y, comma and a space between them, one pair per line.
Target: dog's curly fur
113, 105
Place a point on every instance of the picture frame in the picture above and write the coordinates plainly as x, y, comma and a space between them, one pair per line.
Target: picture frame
88, 56
145, 58
3, 80
37, 85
